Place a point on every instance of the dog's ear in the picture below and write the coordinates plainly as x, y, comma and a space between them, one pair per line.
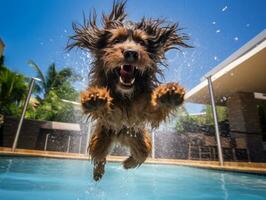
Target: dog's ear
89, 35
116, 16
169, 38
86, 36
163, 36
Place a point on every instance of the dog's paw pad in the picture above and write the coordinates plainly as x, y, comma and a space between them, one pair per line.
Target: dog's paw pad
94, 99
170, 94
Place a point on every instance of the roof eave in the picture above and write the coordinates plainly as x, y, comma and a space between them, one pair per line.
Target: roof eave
240, 52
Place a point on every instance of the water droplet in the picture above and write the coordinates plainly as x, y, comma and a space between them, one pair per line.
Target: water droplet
218, 31
236, 38
224, 9
214, 22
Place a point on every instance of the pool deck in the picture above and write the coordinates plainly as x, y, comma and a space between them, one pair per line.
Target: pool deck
245, 167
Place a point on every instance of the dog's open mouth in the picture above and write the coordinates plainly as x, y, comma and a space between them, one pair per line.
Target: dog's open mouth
126, 74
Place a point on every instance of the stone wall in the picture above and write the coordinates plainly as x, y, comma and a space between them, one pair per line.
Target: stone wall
244, 120
242, 113
32, 136
195, 146
168, 143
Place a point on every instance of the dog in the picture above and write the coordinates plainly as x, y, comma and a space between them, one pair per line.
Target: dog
124, 94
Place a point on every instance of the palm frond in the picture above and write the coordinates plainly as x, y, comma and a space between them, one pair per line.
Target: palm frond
40, 74
51, 76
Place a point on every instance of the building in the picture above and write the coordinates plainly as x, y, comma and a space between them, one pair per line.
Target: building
2, 46
239, 83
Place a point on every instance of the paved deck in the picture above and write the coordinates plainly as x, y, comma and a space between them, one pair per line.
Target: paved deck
247, 167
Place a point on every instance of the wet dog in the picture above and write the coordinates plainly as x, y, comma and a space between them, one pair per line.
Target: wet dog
124, 94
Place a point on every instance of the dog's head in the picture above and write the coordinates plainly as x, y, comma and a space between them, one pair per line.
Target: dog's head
127, 55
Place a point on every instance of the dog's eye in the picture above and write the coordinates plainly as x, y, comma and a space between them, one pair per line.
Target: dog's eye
141, 42
118, 40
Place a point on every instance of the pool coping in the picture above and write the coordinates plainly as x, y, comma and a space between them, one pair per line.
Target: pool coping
243, 167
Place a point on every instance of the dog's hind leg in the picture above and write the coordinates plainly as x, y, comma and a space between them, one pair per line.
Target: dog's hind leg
140, 148
99, 147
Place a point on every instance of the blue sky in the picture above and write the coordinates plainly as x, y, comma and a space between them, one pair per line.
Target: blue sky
39, 30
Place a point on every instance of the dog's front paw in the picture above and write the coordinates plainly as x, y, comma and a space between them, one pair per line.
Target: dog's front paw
95, 99
170, 94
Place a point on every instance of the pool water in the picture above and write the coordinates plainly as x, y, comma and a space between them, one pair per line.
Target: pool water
55, 179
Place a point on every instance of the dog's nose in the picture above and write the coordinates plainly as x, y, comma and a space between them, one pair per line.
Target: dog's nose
131, 55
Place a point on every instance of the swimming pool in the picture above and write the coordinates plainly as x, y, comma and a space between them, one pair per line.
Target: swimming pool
55, 179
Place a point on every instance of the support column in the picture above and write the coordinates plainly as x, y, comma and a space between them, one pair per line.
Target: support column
217, 132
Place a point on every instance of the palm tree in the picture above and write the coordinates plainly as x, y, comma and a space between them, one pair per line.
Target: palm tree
13, 88
55, 86
54, 79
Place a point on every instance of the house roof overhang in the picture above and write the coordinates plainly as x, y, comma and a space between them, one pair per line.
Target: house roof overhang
243, 71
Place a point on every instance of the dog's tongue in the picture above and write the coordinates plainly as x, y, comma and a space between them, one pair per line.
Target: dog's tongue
127, 73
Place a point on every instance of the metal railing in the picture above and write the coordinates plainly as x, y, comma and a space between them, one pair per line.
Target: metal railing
33, 79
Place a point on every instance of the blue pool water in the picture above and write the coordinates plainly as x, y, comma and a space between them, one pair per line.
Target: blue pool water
53, 179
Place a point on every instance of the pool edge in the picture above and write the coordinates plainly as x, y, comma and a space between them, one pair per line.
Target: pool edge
242, 167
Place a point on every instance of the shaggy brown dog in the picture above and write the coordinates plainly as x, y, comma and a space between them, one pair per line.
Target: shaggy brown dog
124, 94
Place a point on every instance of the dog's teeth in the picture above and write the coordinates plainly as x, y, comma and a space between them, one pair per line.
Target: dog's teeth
128, 84
121, 80
132, 81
